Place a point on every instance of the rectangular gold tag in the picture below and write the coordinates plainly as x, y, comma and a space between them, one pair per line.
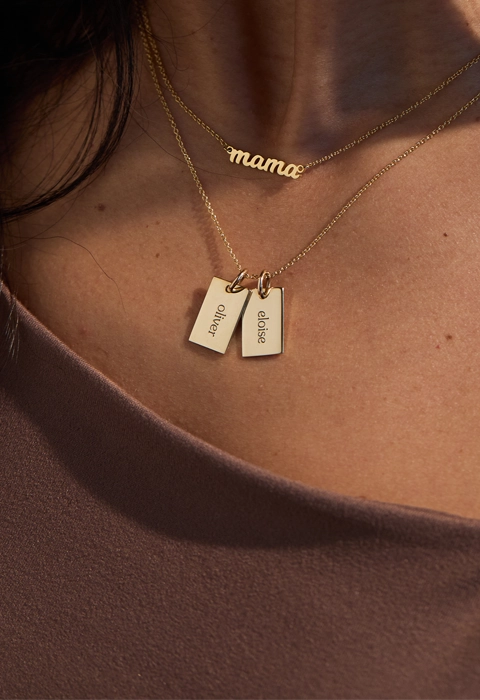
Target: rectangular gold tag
218, 316
262, 324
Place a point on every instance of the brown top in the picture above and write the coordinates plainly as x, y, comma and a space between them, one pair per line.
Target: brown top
136, 561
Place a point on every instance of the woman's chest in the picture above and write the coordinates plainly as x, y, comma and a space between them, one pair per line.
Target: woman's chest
377, 392
376, 395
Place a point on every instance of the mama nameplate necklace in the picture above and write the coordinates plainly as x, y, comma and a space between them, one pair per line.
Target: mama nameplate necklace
262, 309
274, 165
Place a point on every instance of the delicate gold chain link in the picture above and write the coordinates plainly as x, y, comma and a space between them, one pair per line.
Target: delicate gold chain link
318, 161
374, 179
146, 38
148, 30
397, 117
149, 43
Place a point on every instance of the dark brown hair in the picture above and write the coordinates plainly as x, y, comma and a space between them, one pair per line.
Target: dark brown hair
43, 43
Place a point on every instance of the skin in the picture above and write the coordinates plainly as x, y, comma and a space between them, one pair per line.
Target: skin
378, 393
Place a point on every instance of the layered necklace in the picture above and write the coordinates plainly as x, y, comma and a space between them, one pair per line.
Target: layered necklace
262, 309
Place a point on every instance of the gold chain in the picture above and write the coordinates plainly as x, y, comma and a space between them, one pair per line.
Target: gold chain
148, 41
388, 122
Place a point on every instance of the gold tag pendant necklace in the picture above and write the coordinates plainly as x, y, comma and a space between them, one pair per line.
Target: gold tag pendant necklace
272, 165
261, 309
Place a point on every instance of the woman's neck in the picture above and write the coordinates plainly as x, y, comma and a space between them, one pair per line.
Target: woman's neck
300, 74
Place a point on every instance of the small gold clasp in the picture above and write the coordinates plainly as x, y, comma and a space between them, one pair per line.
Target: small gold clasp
235, 286
264, 284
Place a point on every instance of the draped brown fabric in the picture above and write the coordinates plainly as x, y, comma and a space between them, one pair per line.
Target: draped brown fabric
136, 561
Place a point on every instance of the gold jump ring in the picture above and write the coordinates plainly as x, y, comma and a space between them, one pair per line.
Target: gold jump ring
264, 284
235, 286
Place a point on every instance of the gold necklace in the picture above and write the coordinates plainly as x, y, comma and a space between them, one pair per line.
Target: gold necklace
273, 165
261, 312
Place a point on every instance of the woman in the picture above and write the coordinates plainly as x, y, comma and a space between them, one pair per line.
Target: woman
178, 522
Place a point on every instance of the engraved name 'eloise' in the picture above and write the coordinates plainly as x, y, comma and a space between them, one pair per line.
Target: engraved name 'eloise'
260, 163
219, 315
262, 327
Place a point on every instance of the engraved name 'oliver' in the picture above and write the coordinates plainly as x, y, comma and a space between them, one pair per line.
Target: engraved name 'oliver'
219, 315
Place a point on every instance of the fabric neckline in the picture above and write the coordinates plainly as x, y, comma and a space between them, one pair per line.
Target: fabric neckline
315, 497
